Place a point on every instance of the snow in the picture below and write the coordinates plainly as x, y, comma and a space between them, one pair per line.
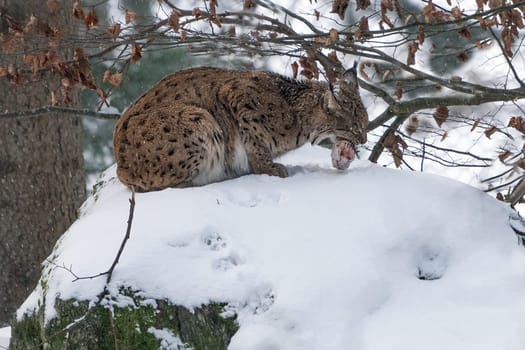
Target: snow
168, 340
368, 258
5, 335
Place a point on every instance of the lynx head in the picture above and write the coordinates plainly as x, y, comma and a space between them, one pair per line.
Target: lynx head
345, 117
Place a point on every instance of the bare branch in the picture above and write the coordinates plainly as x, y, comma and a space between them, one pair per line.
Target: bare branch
36, 112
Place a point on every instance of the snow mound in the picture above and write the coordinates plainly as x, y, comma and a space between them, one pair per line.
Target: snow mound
368, 258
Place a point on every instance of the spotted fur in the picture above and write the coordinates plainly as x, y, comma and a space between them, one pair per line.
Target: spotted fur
203, 125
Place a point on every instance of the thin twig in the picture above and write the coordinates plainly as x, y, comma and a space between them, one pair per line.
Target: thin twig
509, 62
126, 237
503, 185
109, 272
423, 155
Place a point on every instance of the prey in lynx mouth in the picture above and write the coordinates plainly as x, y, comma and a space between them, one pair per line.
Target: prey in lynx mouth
204, 125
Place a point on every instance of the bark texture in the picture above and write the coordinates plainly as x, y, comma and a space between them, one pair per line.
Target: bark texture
41, 167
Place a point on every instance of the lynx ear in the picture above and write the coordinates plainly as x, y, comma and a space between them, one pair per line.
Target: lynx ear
350, 76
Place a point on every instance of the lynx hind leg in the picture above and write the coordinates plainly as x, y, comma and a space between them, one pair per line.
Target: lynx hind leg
170, 147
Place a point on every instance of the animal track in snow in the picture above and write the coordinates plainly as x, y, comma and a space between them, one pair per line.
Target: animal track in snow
252, 198
431, 264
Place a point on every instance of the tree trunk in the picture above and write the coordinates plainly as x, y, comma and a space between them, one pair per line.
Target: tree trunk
41, 167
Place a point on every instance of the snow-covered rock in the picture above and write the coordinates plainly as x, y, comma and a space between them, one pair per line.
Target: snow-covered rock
365, 259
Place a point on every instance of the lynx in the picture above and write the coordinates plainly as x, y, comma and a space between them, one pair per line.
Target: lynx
204, 125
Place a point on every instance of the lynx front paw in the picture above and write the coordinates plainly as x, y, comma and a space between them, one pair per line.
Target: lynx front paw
275, 169
343, 154
278, 170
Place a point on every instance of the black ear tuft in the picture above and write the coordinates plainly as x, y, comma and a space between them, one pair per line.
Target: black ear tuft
350, 75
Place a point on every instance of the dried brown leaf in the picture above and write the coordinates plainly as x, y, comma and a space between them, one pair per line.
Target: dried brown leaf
91, 19
441, 115
309, 67
386, 74
508, 35
504, 155
432, 14
516, 18
398, 9
130, 16
114, 30
362, 4
475, 125
173, 20
386, 5
249, 4
399, 91
490, 131
517, 123
3, 72
520, 163
463, 56
196, 12
456, 12
332, 56
333, 35
83, 69
363, 32
136, 53
412, 125
362, 71
106, 76
392, 143
78, 12
213, 13
113, 78
421, 34
412, 49
339, 7
495, 3
464, 32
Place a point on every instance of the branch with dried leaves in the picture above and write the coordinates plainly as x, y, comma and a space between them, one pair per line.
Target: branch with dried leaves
388, 38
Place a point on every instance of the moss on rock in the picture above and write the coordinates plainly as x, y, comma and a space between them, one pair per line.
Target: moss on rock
78, 326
